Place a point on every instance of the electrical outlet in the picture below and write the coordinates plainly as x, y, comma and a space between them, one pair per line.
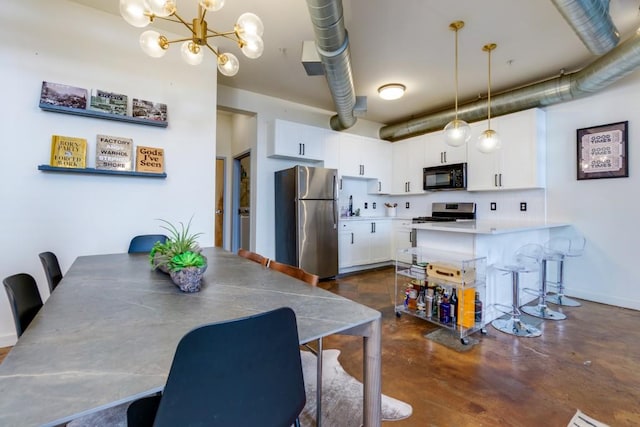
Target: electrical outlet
523, 206
494, 206
406, 205
366, 205
373, 205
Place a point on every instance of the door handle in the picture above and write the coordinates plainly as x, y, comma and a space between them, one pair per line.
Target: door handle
500, 179
379, 186
218, 211
300, 149
352, 238
495, 179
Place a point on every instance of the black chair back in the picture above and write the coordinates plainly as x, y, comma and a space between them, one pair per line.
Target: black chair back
24, 299
51, 269
245, 372
144, 242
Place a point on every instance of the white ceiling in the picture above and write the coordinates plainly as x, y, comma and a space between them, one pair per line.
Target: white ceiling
407, 41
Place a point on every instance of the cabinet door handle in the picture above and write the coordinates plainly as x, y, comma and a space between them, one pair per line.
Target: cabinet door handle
495, 179
352, 238
500, 179
373, 227
341, 183
300, 149
409, 187
379, 186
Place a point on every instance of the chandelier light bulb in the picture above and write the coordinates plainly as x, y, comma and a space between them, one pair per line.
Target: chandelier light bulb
151, 44
212, 5
253, 48
457, 133
249, 25
135, 12
488, 142
162, 8
228, 64
191, 53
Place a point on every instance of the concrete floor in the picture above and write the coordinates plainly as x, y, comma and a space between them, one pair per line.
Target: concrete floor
590, 361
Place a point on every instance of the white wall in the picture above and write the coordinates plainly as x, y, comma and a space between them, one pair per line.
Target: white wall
75, 215
604, 210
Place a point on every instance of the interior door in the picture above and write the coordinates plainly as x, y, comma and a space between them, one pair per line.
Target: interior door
219, 213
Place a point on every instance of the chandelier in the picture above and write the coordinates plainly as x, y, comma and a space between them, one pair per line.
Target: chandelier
247, 32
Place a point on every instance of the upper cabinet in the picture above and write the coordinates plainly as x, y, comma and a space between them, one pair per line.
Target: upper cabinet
297, 141
519, 163
408, 160
360, 156
437, 152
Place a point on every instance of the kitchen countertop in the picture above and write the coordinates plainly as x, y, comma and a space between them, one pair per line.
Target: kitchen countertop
489, 227
366, 218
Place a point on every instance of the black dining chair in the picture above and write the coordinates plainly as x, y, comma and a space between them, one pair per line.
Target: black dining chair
144, 242
242, 372
51, 269
24, 299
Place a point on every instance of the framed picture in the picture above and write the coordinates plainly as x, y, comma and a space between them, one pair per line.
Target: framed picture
603, 151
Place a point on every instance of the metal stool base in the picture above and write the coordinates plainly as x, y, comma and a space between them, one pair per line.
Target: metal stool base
517, 327
543, 312
562, 300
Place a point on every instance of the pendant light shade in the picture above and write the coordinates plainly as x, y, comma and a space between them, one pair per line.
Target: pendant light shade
456, 132
489, 140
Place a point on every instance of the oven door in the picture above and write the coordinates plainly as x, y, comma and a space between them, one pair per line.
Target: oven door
446, 177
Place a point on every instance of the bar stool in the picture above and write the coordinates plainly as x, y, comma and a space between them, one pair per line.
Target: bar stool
541, 309
525, 260
558, 249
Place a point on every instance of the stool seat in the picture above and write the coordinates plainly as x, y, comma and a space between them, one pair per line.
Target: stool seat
525, 260
557, 250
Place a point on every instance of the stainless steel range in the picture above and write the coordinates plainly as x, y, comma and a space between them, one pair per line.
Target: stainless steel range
445, 212
463, 211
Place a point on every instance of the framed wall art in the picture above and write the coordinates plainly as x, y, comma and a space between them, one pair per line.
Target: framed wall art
603, 151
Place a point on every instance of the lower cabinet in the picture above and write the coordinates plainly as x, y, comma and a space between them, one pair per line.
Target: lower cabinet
362, 242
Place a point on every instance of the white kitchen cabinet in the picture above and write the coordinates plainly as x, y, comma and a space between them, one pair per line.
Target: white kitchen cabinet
296, 141
437, 152
332, 150
362, 242
408, 161
360, 157
401, 237
519, 163
382, 167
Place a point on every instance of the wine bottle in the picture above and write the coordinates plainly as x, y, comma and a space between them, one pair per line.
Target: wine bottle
453, 309
477, 309
445, 309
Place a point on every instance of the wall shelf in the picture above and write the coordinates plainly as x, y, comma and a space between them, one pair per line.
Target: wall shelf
101, 115
47, 168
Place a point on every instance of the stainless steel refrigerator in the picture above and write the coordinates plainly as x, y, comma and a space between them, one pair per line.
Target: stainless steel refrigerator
306, 213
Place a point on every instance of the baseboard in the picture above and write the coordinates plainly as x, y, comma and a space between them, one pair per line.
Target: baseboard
602, 298
360, 268
7, 340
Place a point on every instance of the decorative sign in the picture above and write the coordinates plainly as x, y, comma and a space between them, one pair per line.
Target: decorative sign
68, 152
602, 151
114, 153
149, 159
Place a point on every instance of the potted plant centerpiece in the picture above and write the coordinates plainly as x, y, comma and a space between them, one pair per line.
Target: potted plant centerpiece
180, 256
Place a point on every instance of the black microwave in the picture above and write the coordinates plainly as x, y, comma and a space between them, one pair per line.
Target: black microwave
445, 177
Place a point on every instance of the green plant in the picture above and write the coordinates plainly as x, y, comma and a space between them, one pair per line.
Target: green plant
180, 241
186, 259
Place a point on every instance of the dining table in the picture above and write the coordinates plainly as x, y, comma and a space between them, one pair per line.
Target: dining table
107, 334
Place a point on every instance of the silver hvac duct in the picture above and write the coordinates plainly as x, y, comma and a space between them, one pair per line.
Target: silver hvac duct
604, 71
332, 42
592, 23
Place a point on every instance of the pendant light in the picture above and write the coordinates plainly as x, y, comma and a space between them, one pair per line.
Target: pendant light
456, 132
489, 140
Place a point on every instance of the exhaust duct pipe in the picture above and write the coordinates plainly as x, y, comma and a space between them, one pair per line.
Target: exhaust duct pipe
604, 71
332, 43
591, 22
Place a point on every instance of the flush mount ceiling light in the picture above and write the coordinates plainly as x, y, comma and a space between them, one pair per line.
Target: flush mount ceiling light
391, 91
489, 140
456, 132
247, 32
